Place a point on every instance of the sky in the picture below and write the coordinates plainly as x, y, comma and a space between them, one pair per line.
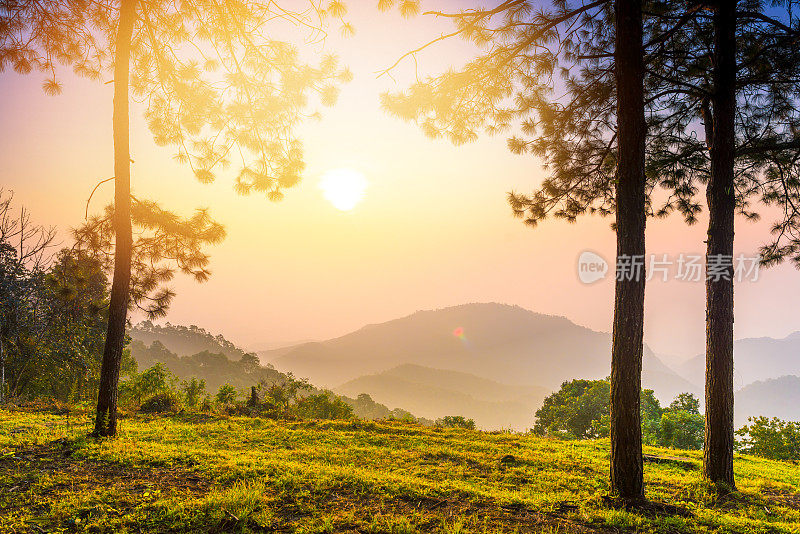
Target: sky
433, 229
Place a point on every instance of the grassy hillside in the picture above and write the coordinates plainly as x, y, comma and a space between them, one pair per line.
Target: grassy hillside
202, 473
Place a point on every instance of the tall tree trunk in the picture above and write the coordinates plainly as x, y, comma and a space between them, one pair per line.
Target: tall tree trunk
720, 194
106, 418
626, 353
2, 371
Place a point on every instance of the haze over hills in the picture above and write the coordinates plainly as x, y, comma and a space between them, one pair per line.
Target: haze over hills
495, 363
754, 359
433, 393
776, 397
502, 343
185, 340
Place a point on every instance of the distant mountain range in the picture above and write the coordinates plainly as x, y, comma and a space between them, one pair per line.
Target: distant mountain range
755, 359
433, 393
495, 363
776, 397
506, 345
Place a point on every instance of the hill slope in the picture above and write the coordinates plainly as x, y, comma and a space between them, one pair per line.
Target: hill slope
507, 344
203, 473
184, 340
434, 393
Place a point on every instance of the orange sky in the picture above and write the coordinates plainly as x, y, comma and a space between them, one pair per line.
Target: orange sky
433, 230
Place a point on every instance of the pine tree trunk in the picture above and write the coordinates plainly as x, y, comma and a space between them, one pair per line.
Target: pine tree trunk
2, 372
720, 194
106, 418
626, 353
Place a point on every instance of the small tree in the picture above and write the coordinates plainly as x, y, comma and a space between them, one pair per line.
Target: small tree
193, 390
226, 395
215, 83
575, 411
681, 429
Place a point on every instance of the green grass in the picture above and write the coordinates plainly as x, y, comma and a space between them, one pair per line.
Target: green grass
201, 473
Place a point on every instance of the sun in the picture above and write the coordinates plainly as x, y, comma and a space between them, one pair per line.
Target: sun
344, 188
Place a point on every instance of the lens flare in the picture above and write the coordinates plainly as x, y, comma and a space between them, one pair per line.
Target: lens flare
459, 333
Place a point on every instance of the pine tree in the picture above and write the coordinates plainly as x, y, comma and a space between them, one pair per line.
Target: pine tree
215, 84
588, 138
557, 84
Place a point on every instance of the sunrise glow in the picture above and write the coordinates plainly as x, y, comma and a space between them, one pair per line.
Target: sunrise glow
344, 188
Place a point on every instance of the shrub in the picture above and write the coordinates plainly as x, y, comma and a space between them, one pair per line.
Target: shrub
157, 379
323, 406
193, 389
457, 421
226, 395
161, 403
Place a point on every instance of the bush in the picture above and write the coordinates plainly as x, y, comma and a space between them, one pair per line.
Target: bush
161, 403
153, 381
226, 395
193, 389
681, 429
456, 421
323, 406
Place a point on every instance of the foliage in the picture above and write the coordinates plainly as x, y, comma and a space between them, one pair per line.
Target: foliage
323, 405
53, 312
575, 410
193, 390
546, 76
184, 340
212, 76
171, 474
285, 392
226, 395
681, 429
456, 421
153, 381
161, 403
163, 244
686, 402
364, 407
580, 409
770, 438
214, 368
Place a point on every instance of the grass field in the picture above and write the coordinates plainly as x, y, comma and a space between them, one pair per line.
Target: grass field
208, 473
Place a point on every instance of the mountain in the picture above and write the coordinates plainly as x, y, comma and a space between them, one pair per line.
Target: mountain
754, 359
184, 340
506, 344
776, 397
434, 393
